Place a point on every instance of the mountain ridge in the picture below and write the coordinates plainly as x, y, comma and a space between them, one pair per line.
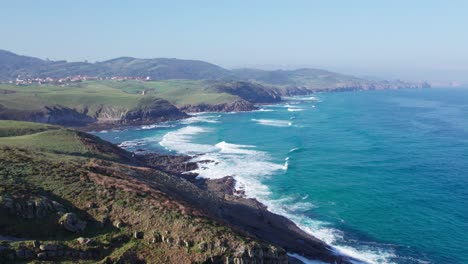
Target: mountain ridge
13, 65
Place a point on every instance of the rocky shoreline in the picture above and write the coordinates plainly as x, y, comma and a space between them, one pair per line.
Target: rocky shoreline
245, 214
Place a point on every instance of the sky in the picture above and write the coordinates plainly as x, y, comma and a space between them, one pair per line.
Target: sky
411, 39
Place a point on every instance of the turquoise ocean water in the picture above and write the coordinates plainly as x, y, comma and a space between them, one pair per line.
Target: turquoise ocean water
380, 175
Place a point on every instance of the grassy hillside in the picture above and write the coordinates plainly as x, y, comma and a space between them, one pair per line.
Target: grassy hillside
85, 200
310, 78
12, 65
92, 94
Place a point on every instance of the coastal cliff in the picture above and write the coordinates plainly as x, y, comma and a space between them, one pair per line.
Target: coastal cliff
92, 201
147, 111
239, 105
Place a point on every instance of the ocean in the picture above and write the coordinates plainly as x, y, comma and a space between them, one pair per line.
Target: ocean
379, 175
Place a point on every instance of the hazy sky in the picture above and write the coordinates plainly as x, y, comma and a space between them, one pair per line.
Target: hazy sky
409, 39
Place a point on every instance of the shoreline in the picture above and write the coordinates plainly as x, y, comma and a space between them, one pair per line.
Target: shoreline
300, 244
334, 250
248, 214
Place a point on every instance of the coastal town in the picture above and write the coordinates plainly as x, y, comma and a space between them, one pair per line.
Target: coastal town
22, 81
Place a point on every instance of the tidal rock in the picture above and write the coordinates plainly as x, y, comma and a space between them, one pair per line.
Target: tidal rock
72, 223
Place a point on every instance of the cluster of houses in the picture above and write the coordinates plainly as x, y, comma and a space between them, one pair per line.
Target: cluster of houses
73, 79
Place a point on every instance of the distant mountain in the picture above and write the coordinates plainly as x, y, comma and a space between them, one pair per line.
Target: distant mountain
163, 69
300, 77
12, 65
292, 81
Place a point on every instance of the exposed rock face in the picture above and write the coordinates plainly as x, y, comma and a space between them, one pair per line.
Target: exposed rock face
35, 207
150, 110
256, 254
72, 223
174, 164
109, 114
356, 86
235, 106
57, 114
251, 92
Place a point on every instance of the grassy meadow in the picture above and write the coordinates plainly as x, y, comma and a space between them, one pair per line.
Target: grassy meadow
92, 94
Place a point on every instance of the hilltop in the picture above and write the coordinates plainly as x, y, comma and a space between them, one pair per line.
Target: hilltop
117, 103
131, 91
67, 196
288, 81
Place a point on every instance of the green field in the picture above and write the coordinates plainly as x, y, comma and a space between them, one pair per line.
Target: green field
92, 94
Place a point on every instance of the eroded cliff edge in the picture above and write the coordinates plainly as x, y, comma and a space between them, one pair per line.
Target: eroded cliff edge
89, 200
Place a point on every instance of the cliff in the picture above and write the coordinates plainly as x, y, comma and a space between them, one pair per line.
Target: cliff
239, 105
147, 110
73, 197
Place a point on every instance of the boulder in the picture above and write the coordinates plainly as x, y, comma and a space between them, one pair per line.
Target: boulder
48, 247
36, 243
72, 223
156, 237
85, 241
138, 235
118, 224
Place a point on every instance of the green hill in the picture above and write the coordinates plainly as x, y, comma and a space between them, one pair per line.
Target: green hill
127, 102
288, 81
68, 197
85, 200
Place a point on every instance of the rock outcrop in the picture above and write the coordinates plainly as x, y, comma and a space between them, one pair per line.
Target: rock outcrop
56, 114
151, 110
251, 92
148, 110
34, 207
239, 105
72, 223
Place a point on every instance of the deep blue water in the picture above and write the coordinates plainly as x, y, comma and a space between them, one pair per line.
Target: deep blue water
380, 175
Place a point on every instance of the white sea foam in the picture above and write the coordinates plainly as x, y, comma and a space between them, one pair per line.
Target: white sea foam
137, 142
273, 122
293, 150
201, 119
155, 126
181, 140
303, 98
305, 260
264, 110
249, 167
295, 109
286, 165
